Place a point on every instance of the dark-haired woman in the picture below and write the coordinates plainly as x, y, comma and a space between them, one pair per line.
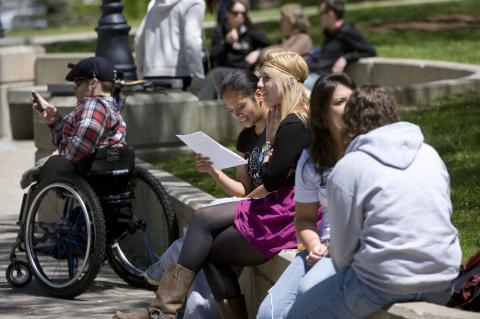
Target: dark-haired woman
232, 41
253, 230
245, 103
327, 103
392, 239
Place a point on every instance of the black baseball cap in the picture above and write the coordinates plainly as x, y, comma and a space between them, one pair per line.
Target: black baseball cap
89, 68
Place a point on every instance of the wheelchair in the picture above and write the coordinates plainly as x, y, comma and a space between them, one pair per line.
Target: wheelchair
74, 219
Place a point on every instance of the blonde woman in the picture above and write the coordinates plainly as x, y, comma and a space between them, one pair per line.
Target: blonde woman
253, 230
294, 25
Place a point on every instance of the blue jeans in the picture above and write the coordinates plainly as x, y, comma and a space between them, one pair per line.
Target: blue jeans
344, 296
297, 276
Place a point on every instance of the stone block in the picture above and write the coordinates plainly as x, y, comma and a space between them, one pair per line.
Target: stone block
52, 67
5, 121
216, 121
17, 63
20, 110
360, 72
153, 119
422, 310
387, 74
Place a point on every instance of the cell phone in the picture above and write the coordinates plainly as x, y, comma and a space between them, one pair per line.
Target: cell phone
39, 106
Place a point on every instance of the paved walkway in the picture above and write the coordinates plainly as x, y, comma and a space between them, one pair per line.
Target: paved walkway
100, 301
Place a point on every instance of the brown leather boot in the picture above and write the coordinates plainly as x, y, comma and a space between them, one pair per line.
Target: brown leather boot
233, 308
172, 290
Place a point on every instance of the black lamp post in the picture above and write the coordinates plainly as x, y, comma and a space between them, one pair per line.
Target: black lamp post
2, 33
112, 42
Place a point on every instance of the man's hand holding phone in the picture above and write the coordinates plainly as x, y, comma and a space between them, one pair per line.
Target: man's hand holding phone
47, 111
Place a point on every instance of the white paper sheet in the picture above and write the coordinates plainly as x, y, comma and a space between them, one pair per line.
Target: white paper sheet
220, 156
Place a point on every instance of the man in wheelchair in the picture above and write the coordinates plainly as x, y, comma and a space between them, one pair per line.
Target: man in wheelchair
95, 122
88, 202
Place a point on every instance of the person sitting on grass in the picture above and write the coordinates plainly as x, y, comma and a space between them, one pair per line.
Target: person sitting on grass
392, 239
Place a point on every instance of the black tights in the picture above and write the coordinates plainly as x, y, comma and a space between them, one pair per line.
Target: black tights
213, 243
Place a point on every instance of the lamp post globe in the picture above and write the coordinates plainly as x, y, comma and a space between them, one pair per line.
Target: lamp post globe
112, 40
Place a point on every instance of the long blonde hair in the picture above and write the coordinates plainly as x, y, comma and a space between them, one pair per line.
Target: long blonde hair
288, 70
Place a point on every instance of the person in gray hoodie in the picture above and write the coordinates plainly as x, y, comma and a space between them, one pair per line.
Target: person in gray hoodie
168, 43
392, 239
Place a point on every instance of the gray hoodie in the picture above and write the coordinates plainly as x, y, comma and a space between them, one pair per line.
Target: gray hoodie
169, 39
389, 200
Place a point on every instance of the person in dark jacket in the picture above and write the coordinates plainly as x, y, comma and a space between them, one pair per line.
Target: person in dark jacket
342, 44
232, 41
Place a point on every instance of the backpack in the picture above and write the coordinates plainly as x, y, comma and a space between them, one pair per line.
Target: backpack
466, 291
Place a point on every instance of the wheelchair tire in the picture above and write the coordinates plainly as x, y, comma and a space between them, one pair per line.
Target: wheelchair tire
64, 235
156, 229
18, 274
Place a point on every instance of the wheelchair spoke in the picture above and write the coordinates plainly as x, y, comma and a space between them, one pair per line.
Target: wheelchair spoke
67, 209
149, 249
53, 199
56, 267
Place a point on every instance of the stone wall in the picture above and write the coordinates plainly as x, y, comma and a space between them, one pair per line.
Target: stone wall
153, 120
16, 70
412, 82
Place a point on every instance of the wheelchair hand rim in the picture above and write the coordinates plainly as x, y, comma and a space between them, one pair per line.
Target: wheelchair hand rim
28, 239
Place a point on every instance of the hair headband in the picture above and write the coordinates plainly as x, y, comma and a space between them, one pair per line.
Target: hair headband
269, 64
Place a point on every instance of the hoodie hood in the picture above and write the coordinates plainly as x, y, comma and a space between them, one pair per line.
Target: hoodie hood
395, 145
164, 5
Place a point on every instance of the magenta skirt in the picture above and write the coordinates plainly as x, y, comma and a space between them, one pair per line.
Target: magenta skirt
267, 223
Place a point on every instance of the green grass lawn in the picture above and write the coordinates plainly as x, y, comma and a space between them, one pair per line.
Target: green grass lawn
184, 168
451, 126
454, 130
460, 45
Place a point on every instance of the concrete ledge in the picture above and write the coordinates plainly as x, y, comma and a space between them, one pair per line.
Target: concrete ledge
153, 119
5, 112
412, 81
416, 81
423, 310
52, 67
20, 110
17, 61
255, 281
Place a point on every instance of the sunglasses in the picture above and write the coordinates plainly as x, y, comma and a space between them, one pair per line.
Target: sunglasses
80, 81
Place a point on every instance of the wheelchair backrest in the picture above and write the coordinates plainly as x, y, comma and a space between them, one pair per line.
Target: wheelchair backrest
108, 161
108, 170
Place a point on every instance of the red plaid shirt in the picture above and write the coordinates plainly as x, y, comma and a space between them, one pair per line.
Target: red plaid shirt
95, 123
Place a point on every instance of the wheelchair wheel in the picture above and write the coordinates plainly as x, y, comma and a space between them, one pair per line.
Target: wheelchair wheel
64, 235
152, 229
18, 274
